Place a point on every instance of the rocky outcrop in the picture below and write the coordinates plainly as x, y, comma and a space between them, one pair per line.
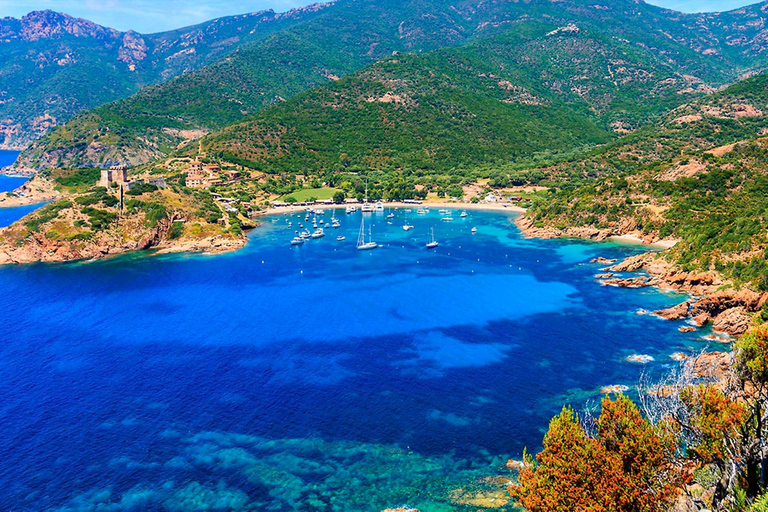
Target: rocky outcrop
674, 312
603, 261
733, 321
36, 247
728, 311
528, 228
627, 282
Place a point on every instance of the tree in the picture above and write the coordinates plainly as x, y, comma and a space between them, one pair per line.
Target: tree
339, 197
628, 465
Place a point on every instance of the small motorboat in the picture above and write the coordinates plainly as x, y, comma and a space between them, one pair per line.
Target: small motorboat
297, 241
340, 238
319, 233
474, 230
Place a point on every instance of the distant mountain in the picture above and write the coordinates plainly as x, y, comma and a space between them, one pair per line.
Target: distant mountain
53, 66
708, 50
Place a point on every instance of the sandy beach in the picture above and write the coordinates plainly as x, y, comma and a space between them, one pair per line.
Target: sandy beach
499, 207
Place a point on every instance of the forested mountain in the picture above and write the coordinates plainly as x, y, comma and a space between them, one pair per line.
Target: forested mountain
536, 87
53, 66
710, 50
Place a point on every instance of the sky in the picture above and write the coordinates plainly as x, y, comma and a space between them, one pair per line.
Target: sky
147, 16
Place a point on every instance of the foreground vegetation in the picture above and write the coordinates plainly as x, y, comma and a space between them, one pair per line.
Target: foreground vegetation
697, 430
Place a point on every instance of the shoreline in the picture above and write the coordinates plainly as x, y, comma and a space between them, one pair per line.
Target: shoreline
528, 229
500, 207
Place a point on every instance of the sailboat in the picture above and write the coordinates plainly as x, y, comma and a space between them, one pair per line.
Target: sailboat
362, 245
432, 242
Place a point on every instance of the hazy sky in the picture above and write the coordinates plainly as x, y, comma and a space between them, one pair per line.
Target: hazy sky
157, 15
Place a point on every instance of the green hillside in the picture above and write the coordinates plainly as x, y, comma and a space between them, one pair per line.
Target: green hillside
350, 34
699, 176
502, 99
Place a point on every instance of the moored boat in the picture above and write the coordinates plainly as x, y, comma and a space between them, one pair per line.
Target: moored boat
362, 245
432, 242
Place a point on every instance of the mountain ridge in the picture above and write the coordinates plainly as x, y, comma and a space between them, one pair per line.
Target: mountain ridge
338, 42
55, 65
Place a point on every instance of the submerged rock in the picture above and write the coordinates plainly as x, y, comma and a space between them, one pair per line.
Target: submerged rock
613, 388
639, 358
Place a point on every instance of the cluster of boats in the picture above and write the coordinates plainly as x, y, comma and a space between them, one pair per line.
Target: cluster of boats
364, 239
319, 228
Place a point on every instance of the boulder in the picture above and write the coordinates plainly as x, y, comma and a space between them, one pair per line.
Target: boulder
633, 263
674, 312
628, 282
733, 321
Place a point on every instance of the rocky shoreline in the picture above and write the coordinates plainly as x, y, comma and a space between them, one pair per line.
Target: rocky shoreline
37, 248
625, 230
713, 300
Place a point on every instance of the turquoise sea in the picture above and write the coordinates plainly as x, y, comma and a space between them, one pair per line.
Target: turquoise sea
315, 377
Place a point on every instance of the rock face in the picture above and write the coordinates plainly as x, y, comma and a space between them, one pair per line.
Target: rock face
713, 365
733, 321
48, 24
528, 228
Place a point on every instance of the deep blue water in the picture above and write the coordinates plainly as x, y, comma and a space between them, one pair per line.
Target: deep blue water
307, 378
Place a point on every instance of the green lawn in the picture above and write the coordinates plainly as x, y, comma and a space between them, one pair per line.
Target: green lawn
306, 193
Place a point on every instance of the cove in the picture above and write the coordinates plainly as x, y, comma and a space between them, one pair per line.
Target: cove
318, 376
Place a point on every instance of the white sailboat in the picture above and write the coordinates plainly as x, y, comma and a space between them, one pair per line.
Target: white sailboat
432, 242
367, 207
362, 245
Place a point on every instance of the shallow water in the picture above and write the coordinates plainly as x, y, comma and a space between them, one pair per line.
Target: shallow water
308, 378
